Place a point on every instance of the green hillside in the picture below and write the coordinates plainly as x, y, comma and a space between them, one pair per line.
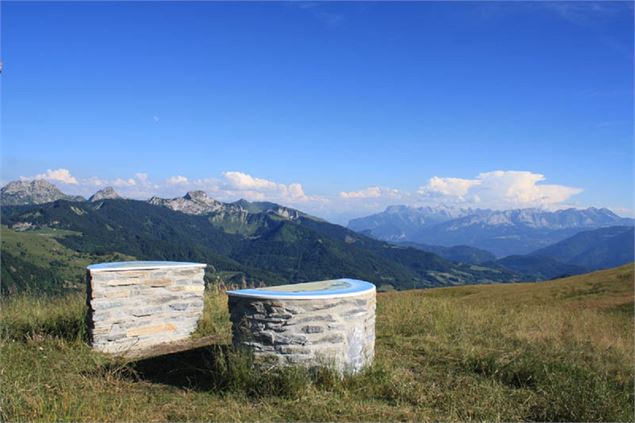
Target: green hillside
37, 261
551, 351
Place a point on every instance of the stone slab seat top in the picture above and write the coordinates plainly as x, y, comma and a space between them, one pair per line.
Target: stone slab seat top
141, 265
334, 288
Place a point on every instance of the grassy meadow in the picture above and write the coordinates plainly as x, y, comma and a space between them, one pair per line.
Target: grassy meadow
560, 350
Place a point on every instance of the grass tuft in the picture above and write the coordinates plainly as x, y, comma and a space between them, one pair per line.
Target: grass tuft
24, 317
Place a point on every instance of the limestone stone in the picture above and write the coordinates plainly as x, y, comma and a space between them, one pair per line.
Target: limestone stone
158, 282
312, 331
134, 305
148, 330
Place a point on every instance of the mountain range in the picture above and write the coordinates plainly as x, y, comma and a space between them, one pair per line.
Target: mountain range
262, 242
501, 232
252, 242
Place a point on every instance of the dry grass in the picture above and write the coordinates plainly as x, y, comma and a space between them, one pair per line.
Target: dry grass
560, 350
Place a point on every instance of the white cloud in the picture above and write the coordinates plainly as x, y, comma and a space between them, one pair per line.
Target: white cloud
369, 200
253, 188
59, 175
95, 181
370, 192
177, 180
296, 191
241, 181
456, 187
119, 182
374, 192
499, 189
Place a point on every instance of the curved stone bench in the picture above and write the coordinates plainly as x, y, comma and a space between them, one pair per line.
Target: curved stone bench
137, 305
310, 324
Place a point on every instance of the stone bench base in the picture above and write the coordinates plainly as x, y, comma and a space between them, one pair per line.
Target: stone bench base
331, 331
135, 305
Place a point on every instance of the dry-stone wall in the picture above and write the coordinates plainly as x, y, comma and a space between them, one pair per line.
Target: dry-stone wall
134, 306
338, 332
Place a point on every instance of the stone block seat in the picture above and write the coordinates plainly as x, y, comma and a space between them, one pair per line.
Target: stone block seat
136, 306
309, 324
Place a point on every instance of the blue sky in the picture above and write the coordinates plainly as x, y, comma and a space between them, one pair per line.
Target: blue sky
338, 109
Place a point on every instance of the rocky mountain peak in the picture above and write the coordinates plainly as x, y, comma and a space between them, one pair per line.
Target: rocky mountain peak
194, 202
196, 195
107, 193
37, 185
38, 191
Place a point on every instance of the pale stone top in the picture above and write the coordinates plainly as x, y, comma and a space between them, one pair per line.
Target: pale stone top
335, 288
141, 265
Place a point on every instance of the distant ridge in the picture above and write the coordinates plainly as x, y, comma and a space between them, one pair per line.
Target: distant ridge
584, 252
198, 203
594, 250
457, 253
503, 232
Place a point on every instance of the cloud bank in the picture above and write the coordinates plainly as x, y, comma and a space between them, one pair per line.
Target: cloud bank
370, 192
500, 189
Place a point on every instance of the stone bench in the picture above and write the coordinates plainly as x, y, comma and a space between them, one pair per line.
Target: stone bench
137, 305
310, 324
